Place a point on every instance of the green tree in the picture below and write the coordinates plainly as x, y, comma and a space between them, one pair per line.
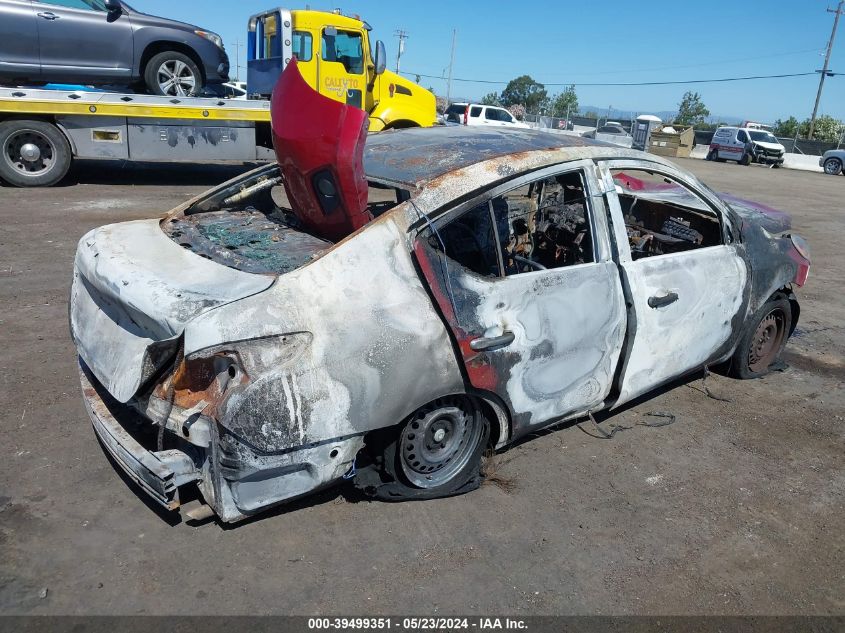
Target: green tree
525, 91
691, 110
827, 128
565, 102
491, 98
787, 128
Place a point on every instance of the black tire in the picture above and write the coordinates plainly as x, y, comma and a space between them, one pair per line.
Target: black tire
435, 453
173, 74
763, 340
833, 166
33, 153
745, 160
712, 155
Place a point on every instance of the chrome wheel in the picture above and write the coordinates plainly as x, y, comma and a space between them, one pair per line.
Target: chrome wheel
438, 442
29, 152
767, 341
176, 78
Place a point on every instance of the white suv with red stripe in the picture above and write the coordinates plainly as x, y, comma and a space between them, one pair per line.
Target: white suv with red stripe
746, 146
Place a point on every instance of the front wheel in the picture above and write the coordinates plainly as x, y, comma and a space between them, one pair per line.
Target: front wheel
173, 74
833, 166
33, 153
745, 160
763, 340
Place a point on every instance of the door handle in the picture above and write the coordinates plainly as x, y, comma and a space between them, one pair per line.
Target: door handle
665, 300
492, 342
47, 15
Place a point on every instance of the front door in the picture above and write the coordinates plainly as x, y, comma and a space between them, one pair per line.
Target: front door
524, 278
19, 42
80, 41
684, 270
341, 74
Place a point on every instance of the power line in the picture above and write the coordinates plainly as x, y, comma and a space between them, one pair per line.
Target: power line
699, 65
627, 83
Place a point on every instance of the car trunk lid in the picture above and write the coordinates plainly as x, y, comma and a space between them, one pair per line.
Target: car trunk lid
134, 290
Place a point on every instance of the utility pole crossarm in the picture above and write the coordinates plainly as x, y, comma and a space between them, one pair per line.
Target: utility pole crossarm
824, 72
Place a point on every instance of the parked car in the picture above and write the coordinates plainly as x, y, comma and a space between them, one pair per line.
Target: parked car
746, 146
454, 114
832, 161
478, 114
611, 127
106, 42
386, 314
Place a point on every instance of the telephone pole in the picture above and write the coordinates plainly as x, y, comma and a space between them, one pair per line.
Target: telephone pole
824, 70
402, 34
451, 63
237, 44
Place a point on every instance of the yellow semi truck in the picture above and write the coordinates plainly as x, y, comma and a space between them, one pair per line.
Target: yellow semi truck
336, 57
43, 131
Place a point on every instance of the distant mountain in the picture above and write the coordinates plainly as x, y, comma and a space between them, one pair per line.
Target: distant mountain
665, 115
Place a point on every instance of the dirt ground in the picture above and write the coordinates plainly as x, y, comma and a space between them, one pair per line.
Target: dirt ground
736, 508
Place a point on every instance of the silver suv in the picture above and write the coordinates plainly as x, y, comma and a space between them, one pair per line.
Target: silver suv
106, 42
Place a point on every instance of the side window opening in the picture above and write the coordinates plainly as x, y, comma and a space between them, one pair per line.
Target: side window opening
475, 111
545, 224
344, 47
302, 45
470, 241
662, 216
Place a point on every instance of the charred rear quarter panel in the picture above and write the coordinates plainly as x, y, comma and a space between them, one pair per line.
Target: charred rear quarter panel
377, 350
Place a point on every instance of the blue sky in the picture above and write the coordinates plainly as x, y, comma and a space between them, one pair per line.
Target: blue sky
613, 41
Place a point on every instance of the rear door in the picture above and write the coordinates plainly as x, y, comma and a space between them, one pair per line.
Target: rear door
684, 269
81, 41
524, 278
18, 41
341, 74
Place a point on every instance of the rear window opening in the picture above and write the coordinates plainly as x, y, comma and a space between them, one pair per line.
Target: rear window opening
252, 227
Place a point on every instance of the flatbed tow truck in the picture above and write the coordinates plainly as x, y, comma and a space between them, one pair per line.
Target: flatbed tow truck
43, 131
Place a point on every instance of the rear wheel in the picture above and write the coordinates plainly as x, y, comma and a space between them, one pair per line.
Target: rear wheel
763, 340
833, 166
33, 153
435, 453
173, 74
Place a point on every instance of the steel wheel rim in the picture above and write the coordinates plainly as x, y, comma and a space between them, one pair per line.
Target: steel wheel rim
832, 167
438, 443
176, 78
766, 341
18, 152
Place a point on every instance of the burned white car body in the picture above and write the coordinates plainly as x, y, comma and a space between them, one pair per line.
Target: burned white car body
508, 280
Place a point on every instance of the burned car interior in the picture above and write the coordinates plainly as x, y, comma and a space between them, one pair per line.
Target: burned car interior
254, 228
662, 217
538, 226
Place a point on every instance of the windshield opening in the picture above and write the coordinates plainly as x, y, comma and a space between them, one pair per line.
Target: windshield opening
763, 136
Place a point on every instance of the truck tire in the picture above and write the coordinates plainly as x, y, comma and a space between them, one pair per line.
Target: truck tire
745, 160
33, 153
173, 74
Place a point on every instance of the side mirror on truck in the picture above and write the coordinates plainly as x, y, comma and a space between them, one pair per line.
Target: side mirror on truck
381, 57
113, 6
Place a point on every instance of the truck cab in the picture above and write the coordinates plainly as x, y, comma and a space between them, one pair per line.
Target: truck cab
336, 57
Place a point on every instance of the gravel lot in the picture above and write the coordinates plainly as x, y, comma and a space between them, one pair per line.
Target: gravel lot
737, 508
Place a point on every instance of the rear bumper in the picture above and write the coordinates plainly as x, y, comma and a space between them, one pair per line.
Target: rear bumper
160, 473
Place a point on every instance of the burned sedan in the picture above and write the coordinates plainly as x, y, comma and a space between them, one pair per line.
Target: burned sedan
387, 308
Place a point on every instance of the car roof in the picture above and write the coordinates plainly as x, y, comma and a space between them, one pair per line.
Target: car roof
416, 156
